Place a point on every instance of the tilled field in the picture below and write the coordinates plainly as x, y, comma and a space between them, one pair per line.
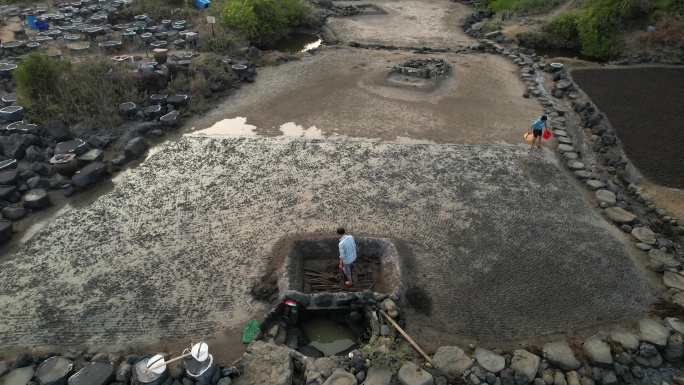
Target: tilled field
643, 105
505, 247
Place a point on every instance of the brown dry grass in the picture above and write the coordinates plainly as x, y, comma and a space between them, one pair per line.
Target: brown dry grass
580, 353
663, 308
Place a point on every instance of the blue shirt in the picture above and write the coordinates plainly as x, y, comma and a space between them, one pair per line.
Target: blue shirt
539, 124
347, 249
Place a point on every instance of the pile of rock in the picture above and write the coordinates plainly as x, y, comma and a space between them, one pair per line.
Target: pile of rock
280, 324
79, 368
422, 50
424, 68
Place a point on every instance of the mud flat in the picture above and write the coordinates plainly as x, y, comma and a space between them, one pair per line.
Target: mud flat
643, 105
504, 246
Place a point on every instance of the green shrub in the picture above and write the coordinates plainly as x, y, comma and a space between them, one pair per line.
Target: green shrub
257, 18
38, 76
522, 7
89, 91
564, 26
492, 26
161, 9
600, 23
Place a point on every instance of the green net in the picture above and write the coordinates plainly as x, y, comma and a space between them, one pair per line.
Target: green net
249, 330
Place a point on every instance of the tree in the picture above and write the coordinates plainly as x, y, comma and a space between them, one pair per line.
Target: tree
256, 18
38, 76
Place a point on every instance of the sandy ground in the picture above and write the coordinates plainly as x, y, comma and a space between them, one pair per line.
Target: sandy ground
344, 91
170, 252
408, 23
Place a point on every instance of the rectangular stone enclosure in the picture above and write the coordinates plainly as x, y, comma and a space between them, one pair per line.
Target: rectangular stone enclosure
311, 266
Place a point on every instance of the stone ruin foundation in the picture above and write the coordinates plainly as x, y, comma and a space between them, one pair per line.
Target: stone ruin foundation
423, 68
311, 266
377, 276
424, 75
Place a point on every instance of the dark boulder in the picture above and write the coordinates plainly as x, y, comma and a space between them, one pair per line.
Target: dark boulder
5, 230
310, 351
99, 140
89, 174
95, 373
13, 148
6, 192
128, 109
139, 131
95, 155
12, 113
54, 371
135, 148
35, 154
172, 119
178, 100
28, 140
36, 199
38, 182
22, 361
25, 175
8, 164
13, 213
58, 131
8, 177
43, 169
76, 146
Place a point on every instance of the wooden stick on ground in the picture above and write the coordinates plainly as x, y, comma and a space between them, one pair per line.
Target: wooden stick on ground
409, 339
162, 363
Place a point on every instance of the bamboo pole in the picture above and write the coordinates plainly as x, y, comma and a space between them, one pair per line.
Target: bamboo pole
162, 363
409, 339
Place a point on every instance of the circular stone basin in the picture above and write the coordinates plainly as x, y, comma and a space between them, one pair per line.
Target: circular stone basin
9, 98
239, 68
78, 46
141, 17
7, 67
147, 37
110, 44
12, 44
72, 37
33, 45
166, 22
160, 44
93, 30
180, 42
41, 39
556, 66
54, 32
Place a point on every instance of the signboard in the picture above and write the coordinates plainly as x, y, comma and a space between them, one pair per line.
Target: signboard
211, 20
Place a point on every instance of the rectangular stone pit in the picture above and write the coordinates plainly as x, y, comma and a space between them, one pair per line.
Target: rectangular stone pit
377, 261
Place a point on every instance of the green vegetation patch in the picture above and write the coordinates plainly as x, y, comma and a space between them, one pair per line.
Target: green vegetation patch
258, 18
522, 7
598, 27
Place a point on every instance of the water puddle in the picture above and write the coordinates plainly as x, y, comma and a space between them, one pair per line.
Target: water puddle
293, 130
296, 42
327, 336
238, 127
228, 127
